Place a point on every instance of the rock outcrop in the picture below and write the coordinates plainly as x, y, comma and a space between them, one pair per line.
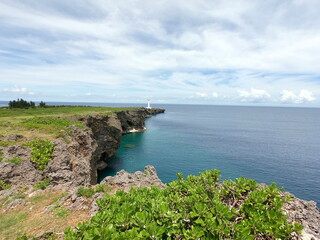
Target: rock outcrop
307, 214
121, 181
78, 156
124, 180
133, 121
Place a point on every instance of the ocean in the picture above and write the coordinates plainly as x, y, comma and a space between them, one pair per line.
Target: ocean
267, 144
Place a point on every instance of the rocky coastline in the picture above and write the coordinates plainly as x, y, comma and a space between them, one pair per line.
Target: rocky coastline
76, 158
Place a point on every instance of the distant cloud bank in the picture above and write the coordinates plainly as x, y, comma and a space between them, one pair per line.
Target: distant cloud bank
301, 97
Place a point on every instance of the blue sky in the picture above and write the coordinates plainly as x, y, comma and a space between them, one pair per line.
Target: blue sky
203, 52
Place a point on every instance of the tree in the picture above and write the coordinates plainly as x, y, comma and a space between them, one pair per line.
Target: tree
42, 104
20, 103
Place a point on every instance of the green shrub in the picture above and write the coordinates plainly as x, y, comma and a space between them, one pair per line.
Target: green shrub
5, 143
192, 208
86, 192
102, 188
15, 160
4, 186
41, 152
1, 155
42, 184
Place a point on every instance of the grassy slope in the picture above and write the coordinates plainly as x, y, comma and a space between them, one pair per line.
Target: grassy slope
42, 122
32, 219
43, 212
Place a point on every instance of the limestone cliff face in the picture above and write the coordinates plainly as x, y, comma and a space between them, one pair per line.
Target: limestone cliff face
76, 160
133, 121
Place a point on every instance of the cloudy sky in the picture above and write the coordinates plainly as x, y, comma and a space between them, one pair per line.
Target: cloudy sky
203, 51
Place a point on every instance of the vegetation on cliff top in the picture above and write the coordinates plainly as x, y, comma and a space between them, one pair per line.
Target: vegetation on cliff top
192, 208
36, 126
32, 217
58, 110
46, 122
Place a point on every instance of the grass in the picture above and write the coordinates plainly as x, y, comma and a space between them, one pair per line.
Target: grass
86, 192
15, 160
90, 191
42, 184
59, 211
20, 196
1, 155
49, 124
6, 143
58, 110
55, 199
30, 219
11, 221
4, 186
46, 123
102, 188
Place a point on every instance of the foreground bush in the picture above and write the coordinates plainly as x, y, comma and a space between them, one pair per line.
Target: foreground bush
193, 208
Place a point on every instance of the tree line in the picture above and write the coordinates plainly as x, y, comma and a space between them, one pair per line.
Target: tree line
21, 103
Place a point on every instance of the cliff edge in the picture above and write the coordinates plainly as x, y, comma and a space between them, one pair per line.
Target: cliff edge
77, 156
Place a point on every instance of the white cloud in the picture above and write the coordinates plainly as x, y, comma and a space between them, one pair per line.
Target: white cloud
23, 90
204, 95
215, 95
302, 97
15, 91
253, 95
201, 95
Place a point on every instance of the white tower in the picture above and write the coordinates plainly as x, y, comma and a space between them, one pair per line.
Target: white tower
148, 104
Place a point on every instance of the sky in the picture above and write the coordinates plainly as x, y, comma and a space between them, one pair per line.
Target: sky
240, 52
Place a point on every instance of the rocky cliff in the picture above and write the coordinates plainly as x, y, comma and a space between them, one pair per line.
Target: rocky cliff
77, 157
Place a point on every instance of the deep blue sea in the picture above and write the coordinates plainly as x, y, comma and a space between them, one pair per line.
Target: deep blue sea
267, 144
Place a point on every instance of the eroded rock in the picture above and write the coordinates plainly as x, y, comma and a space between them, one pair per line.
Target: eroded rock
124, 180
306, 213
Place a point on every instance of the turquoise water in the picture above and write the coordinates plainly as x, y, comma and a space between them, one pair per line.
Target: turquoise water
268, 144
